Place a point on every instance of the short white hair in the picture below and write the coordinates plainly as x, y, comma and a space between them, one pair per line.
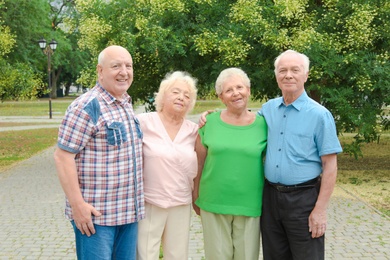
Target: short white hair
169, 80
306, 61
226, 74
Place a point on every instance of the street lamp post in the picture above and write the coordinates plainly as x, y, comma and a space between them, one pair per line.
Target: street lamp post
48, 51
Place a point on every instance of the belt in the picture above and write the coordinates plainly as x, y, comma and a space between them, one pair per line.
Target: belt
289, 188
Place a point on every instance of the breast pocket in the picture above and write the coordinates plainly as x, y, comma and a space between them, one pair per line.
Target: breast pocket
116, 133
300, 145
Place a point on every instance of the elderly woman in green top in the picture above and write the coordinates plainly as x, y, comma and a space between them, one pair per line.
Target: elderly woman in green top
229, 185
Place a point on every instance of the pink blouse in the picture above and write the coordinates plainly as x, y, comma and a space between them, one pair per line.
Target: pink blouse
169, 166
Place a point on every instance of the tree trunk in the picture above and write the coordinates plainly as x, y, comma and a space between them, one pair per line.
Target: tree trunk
54, 77
314, 94
67, 88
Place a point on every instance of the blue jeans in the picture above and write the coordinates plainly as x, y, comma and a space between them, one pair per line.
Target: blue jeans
109, 242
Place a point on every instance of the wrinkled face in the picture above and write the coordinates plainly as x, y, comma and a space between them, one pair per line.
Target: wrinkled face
177, 98
116, 71
290, 74
234, 93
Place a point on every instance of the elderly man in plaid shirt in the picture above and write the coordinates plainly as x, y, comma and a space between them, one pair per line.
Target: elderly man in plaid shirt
99, 163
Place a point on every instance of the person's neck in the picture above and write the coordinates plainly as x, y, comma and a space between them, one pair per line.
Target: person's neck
172, 123
236, 114
237, 117
173, 119
291, 97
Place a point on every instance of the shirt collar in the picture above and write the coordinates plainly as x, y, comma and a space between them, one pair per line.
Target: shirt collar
110, 98
298, 103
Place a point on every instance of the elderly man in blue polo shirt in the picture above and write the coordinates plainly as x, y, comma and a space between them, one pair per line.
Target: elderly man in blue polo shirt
300, 166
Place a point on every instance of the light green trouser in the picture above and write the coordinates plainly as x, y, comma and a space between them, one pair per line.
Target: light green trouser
230, 237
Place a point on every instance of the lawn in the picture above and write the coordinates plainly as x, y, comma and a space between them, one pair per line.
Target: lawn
34, 108
367, 178
20, 145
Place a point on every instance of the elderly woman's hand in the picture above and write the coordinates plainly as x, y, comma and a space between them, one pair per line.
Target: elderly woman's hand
202, 119
195, 196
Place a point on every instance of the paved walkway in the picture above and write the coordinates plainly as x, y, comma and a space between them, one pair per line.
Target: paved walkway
33, 225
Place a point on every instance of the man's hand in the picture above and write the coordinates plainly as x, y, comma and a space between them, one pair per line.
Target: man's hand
202, 119
67, 174
317, 218
82, 216
317, 223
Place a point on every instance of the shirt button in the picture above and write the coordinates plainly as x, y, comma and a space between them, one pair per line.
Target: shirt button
277, 166
284, 116
281, 133
279, 149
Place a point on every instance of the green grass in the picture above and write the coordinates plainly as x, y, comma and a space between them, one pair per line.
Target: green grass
20, 145
34, 108
369, 177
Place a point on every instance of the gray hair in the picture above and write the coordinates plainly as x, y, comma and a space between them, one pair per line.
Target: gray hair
306, 61
101, 57
226, 74
169, 80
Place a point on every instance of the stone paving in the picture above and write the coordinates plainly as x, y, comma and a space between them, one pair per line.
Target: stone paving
33, 225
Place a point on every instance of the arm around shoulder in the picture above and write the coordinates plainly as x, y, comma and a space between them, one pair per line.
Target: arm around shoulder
202, 118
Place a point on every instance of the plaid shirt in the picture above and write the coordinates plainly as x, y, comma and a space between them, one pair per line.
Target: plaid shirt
106, 138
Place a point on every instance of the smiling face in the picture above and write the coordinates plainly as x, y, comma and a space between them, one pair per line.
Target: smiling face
291, 75
177, 98
234, 93
115, 70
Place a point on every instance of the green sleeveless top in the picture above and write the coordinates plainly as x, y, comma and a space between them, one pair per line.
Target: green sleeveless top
232, 180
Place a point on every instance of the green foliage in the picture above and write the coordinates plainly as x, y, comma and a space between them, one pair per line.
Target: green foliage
7, 40
28, 21
18, 82
20, 28
68, 60
346, 41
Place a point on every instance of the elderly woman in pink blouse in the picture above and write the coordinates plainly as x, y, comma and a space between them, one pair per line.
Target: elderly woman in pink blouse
170, 165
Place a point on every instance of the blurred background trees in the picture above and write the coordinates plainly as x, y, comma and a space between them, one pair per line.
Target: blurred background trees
346, 41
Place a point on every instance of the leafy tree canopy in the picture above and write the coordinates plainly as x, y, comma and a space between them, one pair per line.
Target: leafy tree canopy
20, 24
346, 41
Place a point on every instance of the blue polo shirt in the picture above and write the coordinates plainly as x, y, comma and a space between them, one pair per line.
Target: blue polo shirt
298, 135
